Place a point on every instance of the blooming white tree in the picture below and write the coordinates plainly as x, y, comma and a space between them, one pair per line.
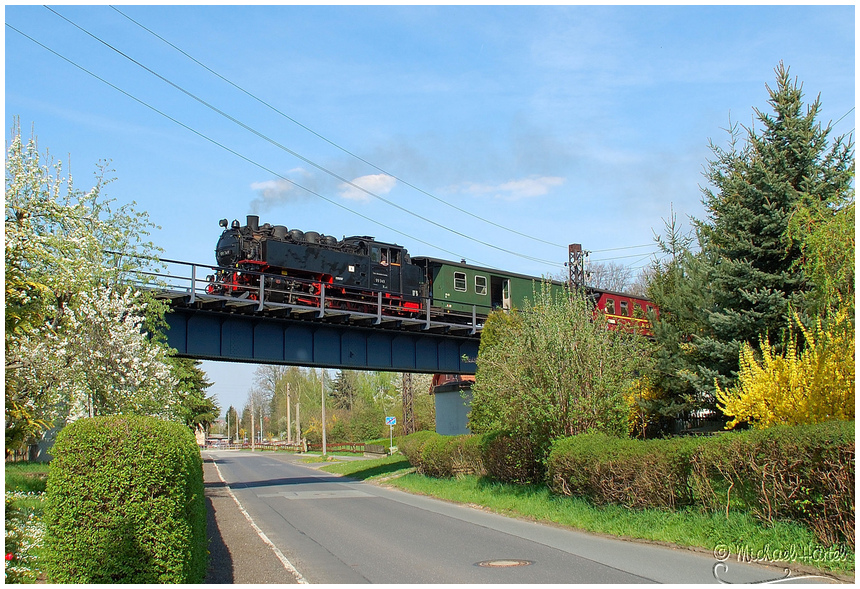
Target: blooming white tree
101, 362
74, 341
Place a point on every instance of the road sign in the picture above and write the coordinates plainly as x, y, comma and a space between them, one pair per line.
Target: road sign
390, 421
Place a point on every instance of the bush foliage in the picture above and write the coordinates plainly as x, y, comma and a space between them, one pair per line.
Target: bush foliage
125, 503
809, 384
511, 458
442, 456
553, 369
632, 473
803, 474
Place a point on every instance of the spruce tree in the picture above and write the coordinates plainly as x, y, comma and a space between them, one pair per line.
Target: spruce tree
754, 278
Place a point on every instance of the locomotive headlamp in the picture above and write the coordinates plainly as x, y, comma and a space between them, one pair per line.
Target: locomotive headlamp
222, 223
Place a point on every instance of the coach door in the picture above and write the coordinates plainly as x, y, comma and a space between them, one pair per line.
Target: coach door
500, 292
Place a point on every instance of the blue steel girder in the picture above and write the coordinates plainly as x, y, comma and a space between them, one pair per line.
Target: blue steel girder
213, 335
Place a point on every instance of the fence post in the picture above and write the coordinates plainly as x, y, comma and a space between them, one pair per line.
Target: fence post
378, 308
193, 282
262, 294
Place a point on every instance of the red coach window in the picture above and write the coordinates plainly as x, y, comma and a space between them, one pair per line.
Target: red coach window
610, 306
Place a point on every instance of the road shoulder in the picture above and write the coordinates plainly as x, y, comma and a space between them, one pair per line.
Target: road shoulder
236, 553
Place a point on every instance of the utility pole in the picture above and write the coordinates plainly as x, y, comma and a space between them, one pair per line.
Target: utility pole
298, 423
408, 415
252, 423
289, 433
322, 392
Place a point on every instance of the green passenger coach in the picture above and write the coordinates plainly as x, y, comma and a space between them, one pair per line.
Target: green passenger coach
458, 288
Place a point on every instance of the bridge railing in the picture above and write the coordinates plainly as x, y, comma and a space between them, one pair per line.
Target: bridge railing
261, 292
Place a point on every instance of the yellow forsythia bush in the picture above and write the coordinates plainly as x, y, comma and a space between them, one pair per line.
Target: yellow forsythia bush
813, 385
639, 396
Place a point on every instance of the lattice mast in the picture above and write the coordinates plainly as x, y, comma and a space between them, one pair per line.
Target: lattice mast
408, 414
576, 266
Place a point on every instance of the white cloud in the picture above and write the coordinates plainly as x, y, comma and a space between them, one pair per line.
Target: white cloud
530, 187
374, 183
271, 193
273, 189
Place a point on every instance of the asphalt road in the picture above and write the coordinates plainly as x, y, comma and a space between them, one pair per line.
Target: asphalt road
321, 528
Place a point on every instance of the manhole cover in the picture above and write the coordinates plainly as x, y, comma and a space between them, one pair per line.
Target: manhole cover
503, 563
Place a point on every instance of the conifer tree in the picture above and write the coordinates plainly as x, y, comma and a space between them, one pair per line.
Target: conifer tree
748, 264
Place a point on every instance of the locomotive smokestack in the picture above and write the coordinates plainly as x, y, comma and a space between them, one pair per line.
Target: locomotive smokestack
254, 222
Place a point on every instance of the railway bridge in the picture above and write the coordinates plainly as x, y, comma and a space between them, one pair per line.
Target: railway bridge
253, 328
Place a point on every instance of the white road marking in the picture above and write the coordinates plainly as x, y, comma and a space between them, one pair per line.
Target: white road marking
348, 493
287, 564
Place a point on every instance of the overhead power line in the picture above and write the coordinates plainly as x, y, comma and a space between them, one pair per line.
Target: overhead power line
615, 249
229, 150
639, 255
334, 144
295, 154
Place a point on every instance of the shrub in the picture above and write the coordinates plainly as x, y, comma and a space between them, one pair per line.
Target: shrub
802, 473
511, 458
443, 456
125, 503
552, 370
412, 445
802, 385
632, 473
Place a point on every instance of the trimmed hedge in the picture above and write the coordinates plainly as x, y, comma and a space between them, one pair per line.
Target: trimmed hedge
803, 473
125, 504
622, 471
511, 459
799, 473
442, 456
412, 445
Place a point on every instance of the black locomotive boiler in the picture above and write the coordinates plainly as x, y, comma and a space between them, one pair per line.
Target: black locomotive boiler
295, 266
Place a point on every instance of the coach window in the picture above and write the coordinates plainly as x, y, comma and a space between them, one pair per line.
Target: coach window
624, 308
637, 311
481, 285
460, 281
610, 306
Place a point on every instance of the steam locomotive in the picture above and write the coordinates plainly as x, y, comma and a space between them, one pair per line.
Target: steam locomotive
361, 274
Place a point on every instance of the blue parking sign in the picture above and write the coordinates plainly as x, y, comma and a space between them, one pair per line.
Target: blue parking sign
390, 421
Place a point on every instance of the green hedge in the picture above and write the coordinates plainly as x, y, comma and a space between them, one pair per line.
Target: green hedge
802, 473
623, 471
442, 456
511, 459
412, 445
125, 504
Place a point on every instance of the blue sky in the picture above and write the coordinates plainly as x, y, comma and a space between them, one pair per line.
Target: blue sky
571, 124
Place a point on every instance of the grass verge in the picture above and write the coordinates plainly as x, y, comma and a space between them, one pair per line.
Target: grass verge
740, 534
373, 469
25, 528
